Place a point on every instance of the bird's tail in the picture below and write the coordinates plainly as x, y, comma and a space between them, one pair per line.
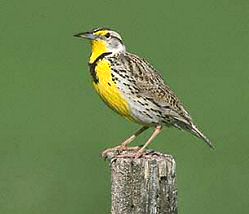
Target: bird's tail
199, 134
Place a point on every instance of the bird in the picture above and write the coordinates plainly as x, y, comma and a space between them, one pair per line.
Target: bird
133, 88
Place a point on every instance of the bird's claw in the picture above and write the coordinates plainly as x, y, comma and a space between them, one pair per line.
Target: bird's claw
117, 150
133, 155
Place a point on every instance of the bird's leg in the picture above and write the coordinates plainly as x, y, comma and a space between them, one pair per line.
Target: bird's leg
133, 137
124, 145
158, 129
139, 153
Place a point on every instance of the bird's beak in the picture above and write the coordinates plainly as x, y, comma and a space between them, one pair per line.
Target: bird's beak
86, 35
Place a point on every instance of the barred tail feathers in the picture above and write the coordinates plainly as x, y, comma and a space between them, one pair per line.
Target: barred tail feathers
199, 134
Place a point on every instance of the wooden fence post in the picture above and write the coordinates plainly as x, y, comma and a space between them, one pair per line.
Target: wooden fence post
145, 185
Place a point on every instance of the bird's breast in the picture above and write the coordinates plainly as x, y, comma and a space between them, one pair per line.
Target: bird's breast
108, 90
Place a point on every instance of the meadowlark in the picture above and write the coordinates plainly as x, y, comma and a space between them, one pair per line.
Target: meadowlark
134, 89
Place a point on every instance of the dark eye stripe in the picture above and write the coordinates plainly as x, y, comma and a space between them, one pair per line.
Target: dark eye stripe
118, 39
108, 35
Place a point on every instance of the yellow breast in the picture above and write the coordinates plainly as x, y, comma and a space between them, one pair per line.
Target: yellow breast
108, 90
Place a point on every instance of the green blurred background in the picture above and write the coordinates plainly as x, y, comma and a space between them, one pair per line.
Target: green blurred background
53, 125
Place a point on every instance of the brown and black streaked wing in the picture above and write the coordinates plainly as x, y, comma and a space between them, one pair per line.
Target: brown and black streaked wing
151, 85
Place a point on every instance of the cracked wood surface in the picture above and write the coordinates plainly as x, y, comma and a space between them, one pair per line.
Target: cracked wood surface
145, 185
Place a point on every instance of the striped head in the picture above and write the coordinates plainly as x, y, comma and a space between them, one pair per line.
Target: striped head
103, 40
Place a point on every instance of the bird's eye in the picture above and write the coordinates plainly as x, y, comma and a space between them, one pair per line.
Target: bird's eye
107, 35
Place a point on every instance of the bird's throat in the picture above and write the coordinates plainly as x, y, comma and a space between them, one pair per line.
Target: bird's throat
98, 48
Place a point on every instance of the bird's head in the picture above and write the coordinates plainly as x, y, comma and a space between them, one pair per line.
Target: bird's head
103, 40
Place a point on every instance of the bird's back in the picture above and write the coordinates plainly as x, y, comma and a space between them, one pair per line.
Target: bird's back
150, 99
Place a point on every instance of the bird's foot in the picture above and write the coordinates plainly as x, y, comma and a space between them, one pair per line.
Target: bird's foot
117, 150
135, 155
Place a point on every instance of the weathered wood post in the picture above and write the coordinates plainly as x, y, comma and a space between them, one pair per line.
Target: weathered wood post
145, 185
